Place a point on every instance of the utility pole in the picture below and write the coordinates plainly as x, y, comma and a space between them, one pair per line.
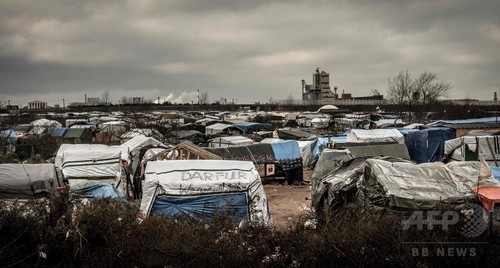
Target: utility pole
64, 105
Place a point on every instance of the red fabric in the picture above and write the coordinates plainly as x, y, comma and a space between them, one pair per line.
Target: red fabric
489, 196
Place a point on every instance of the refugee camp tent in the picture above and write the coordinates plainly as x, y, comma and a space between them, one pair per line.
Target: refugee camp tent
310, 153
58, 132
136, 147
72, 121
91, 165
83, 162
288, 164
111, 131
467, 148
139, 144
198, 188
148, 132
41, 125
218, 128
375, 135
427, 145
95, 189
9, 135
229, 141
78, 136
193, 136
28, 181
331, 159
327, 108
401, 185
339, 186
289, 158
251, 127
293, 134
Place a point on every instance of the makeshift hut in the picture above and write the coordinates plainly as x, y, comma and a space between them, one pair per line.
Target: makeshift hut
219, 128
196, 188
147, 132
193, 136
468, 148
332, 159
41, 125
252, 127
93, 162
58, 133
288, 164
137, 147
402, 185
229, 141
28, 181
78, 136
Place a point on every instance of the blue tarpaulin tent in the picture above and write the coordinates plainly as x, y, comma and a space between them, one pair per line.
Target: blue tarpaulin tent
205, 206
319, 144
286, 150
427, 145
96, 190
57, 132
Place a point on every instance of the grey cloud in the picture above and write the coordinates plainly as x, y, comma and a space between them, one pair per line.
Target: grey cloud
249, 50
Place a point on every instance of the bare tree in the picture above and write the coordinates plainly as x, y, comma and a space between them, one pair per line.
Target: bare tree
289, 100
424, 91
204, 97
430, 90
124, 100
402, 91
105, 97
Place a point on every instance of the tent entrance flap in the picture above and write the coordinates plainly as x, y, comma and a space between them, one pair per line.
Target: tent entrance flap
234, 205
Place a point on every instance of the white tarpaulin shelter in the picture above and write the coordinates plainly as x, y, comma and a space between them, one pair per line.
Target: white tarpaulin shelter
87, 148
218, 128
39, 126
93, 165
148, 132
84, 162
375, 135
327, 108
204, 187
27, 181
222, 142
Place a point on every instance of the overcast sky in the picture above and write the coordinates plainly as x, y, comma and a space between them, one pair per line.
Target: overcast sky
247, 50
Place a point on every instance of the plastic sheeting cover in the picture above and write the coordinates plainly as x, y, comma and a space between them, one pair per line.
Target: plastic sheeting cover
286, 150
95, 190
98, 164
203, 178
206, 206
423, 186
24, 181
375, 135
427, 145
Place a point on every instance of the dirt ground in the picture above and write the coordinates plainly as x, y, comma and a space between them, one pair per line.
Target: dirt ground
288, 203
